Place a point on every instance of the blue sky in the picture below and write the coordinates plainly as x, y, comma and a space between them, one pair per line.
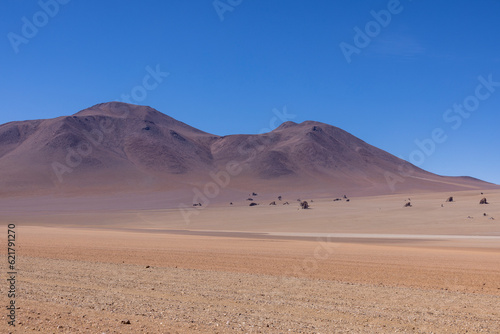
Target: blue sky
232, 68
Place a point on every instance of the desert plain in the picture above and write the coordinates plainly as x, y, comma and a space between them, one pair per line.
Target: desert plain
370, 265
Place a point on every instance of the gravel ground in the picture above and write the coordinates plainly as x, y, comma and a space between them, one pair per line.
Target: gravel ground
73, 296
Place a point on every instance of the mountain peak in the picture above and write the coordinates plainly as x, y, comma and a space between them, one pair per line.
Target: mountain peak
133, 113
286, 125
119, 109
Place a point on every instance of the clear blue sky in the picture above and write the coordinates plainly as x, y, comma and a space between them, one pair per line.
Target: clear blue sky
226, 76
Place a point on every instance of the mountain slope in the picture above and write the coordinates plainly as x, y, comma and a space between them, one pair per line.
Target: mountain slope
115, 146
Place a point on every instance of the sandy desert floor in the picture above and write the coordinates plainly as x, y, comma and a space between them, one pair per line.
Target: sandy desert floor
367, 266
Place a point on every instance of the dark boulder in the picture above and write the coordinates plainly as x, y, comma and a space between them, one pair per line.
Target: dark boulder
483, 201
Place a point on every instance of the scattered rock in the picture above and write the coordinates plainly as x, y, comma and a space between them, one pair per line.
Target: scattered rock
304, 205
126, 322
450, 199
148, 267
254, 194
249, 199
272, 203
279, 197
485, 214
252, 204
231, 203
408, 205
286, 203
483, 201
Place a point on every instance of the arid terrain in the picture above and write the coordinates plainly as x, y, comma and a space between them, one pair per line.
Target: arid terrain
230, 166
369, 265
129, 221
116, 147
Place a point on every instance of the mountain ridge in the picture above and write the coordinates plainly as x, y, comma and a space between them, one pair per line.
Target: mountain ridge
116, 146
